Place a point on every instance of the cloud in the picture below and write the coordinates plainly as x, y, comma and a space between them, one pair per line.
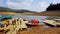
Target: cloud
55, 1
43, 5
10, 3
27, 4
20, 5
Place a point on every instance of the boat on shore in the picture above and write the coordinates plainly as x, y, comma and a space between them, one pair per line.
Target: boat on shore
51, 23
35, 23
4, 17
57, 20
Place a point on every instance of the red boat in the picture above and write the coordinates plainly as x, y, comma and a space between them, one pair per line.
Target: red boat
34, 22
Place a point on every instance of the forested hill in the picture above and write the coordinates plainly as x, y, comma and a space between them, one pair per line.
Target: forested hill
53, 7
5, 9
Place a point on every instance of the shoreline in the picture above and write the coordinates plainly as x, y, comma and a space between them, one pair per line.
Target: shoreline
34, 14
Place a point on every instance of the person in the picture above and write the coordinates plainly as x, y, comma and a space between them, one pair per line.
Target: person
1, 27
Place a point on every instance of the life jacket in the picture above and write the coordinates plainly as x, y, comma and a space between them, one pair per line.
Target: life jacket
35, 21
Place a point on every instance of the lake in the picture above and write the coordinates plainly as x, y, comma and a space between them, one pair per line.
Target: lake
34, 16
31, 17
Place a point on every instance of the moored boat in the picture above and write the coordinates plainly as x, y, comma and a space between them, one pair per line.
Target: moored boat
51, 23
3, 17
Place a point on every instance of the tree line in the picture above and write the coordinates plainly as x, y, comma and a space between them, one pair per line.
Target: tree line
53, 7
5, 9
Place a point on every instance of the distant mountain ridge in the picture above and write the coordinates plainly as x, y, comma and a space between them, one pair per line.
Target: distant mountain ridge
4, 9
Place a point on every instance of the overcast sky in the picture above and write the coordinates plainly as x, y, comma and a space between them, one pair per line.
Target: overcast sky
33, 5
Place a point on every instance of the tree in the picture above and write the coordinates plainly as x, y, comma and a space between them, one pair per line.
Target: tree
53, 7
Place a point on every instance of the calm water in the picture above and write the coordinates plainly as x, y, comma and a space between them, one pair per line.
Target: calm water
34, 17
30, 17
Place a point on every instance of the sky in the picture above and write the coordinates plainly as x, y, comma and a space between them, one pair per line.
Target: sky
33, 5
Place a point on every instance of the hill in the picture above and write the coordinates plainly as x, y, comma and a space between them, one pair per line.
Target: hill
53, 7
5, 9
49, 13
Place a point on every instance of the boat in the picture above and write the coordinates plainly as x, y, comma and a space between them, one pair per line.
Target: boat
51, 23
33, 22
57, 20
30, 24
3, 17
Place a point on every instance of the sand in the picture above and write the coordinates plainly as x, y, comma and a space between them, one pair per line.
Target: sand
45, 13
37, 30
1, 32
7, 13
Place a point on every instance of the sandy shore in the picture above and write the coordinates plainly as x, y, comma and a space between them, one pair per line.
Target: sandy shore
51, 13
38, 30
7, 13
47, 13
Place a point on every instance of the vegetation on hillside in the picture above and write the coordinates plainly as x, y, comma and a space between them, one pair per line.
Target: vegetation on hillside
5, 9
53, 7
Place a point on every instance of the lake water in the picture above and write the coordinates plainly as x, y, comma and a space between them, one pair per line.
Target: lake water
31, 17
34, 17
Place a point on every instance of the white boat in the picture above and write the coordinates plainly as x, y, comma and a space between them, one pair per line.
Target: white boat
51, 23
57, 20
